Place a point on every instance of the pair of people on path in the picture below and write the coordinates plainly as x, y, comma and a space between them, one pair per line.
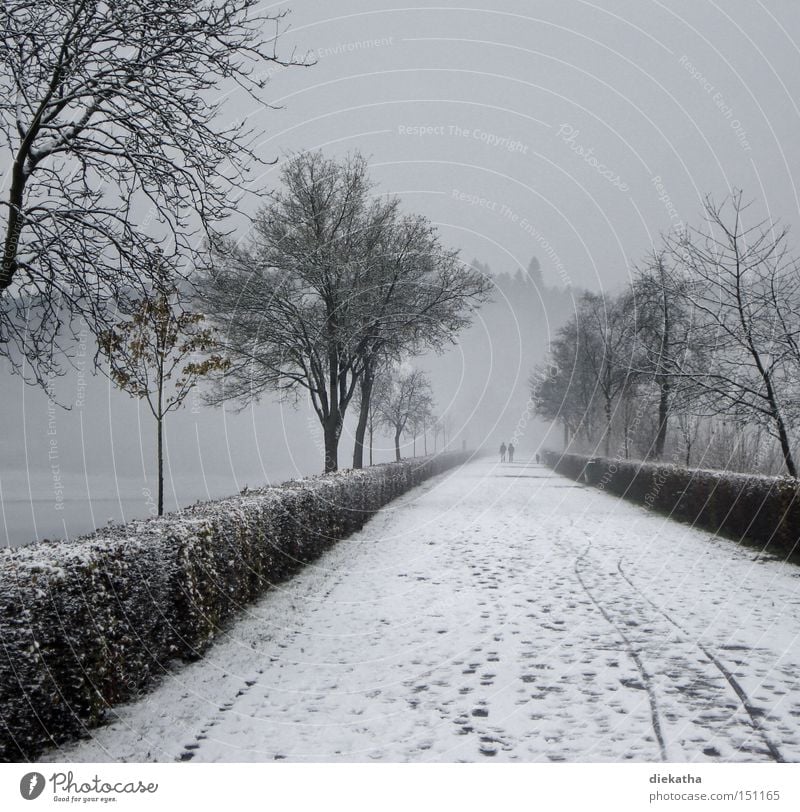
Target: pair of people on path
509, 449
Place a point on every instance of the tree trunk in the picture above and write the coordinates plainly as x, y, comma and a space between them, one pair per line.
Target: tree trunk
160, 444
608, 429
786, 447
397, 446
160, 435
663, 417
363, 419
663, 383
783, 434
331, 432
777, 416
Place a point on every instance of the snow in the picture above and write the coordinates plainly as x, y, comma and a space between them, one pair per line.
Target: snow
497, 612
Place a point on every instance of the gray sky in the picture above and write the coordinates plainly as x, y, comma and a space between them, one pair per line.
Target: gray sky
570, 130
700, 94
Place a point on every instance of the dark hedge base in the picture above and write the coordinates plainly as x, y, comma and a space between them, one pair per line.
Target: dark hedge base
764, 511
88, 624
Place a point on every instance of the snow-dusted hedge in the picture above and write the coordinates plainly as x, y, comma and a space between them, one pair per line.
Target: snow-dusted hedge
92, 622
759, 509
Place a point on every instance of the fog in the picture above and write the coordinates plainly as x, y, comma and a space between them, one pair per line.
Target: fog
488, 121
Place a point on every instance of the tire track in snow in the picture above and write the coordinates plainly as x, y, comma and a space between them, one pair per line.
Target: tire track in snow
752, 711
632, 653
749, 718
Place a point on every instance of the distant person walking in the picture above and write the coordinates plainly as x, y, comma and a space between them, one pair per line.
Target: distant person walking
537, 457
511, 452
502, 452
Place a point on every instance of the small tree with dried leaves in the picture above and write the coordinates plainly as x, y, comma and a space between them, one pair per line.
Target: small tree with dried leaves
159, 354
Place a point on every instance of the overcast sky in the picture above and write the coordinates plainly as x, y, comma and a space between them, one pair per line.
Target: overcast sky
573, 131
544, 127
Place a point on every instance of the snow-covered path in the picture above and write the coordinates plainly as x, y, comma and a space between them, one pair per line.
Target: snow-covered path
497, 612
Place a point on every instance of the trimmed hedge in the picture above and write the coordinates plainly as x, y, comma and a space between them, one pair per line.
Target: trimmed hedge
758, 509
90, 623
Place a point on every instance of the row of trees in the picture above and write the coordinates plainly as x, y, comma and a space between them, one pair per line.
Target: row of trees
704, 343
333, 284
402, 403
163, 350
329, 295
120, 173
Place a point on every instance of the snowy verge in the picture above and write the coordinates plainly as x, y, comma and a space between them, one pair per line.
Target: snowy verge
759, 509
93, 622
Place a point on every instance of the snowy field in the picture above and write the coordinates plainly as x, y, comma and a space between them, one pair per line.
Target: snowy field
498, 612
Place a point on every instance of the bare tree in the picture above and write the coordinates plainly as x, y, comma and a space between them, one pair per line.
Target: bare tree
629, 409
159, 354
609, 346
292, 304
708, 331
592, 367
563, 387
417, 296
403, 402
601, 341
114, 144
662, 325
744, 289
689, 426
447, 423
437, 430
426, 423
419, 422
